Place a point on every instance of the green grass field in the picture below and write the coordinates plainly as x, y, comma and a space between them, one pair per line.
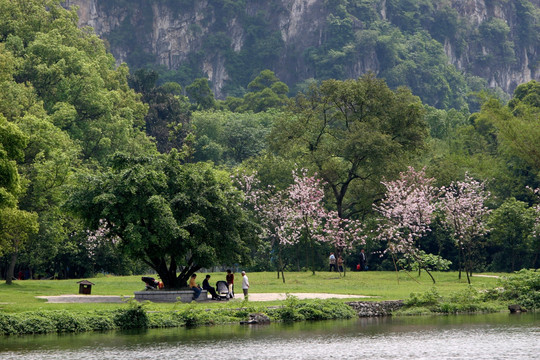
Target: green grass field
21, 295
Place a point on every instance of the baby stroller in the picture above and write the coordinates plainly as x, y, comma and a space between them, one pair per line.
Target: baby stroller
223, 290
151, 283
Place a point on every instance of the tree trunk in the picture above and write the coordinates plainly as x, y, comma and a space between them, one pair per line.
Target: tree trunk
395, 267
459, 261
11, 269
281, 265
422, 266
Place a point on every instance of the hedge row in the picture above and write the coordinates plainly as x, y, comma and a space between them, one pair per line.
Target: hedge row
135, 317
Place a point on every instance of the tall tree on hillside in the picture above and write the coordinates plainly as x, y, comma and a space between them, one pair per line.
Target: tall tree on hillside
78, 81
168, 111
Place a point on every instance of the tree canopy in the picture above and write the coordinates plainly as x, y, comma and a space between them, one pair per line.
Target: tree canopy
168, 214
353, 133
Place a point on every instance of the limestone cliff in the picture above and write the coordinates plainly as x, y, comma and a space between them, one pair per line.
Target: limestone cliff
211, 38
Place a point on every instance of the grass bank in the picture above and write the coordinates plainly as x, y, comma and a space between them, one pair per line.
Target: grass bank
21, 296
22, 313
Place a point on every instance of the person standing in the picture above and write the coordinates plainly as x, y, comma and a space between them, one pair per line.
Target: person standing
363, 260
332, 261
245, 284
340, 263
230, 282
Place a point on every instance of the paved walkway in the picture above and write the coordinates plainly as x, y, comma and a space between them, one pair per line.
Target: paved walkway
252, 297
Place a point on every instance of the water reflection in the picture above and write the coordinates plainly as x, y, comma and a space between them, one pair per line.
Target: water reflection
495, 336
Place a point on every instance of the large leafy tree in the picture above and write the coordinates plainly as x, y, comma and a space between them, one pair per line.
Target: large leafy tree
77, 80
353, 133
171, 216
511, 227
168, 114
62, 89
15, 228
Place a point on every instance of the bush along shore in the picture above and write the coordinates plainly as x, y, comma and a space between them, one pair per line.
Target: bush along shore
521, 289
136, 317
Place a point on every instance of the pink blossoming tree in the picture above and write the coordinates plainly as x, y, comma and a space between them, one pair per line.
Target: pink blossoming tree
272, 210
466, 215
296, 214
406, 211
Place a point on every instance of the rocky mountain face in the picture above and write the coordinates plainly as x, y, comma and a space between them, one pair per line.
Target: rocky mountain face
285, 34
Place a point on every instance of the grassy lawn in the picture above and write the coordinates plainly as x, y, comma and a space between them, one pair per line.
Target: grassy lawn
21, 296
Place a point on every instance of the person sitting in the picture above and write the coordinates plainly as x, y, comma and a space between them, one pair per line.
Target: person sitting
196, 288
212, 290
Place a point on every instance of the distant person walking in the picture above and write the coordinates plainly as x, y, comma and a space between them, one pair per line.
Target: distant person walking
363, 260
245, 284
332, 261
230, 282
340, 263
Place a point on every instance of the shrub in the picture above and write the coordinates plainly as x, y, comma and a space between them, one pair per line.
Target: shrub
165, 320
523, 287
289, 312
428, 299
67, 322
194, 315
295, 310
132, 318
35, 325
8, 324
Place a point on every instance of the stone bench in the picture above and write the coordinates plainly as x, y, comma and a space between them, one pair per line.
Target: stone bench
165, 296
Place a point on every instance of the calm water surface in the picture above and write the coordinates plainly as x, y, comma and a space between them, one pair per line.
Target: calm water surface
494, 336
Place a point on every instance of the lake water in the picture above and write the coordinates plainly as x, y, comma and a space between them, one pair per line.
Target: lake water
491, 336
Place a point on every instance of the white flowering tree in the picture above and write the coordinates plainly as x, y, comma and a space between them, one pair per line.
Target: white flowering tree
406, 212
466, 215
298, 213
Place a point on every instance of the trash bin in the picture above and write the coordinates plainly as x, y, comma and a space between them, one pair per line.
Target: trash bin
85, 287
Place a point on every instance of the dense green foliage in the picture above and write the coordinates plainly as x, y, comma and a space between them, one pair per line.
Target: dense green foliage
106, 171
69, 322
167, 214
296, 310
522, 287
403, 41
353, 134
469, 300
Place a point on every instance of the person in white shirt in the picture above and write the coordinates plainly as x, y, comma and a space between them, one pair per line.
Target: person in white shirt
245, 284
332, 261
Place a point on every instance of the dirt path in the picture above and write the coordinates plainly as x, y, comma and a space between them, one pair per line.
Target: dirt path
239, 297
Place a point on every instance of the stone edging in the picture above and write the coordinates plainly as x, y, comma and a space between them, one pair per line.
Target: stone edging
379, 308
167, 296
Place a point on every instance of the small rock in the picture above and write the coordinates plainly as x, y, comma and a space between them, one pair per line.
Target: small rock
516, 308
256, 318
